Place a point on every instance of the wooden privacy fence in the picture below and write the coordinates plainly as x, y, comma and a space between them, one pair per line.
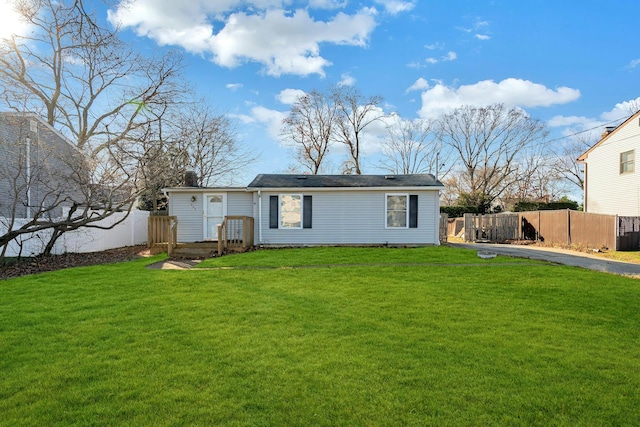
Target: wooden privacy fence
566, 227
491, 228
235, 234
444, 220
163, 230
628, 233
569, 227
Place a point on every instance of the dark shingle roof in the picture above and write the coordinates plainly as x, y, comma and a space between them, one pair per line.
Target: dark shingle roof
343, 181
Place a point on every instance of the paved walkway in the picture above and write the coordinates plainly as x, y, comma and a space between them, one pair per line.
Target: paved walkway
558, 256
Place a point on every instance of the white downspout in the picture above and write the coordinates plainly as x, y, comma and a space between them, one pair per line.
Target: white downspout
28, 178
259, 216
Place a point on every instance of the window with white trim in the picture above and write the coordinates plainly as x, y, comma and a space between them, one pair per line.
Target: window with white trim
290, 211
627, 161
397, 209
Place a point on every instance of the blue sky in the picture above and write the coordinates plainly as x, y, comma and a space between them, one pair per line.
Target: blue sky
573, 64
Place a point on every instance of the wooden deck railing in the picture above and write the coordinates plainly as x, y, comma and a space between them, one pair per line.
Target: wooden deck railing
235, 233
163, 230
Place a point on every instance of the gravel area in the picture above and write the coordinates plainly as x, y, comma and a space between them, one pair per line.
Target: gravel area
57, 262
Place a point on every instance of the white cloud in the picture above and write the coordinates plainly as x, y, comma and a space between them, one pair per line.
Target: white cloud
396, 6
289, 96
511, 92
634, 63
621, 111
10, 21
435, 46
285, 42
420, 84
234, 86
327, 4
479, 27
346, 80
243, 118
271, 119
450, 56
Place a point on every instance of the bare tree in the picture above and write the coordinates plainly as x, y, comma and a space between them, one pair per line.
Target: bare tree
495, 147
412, 148
207, 143
81, 77
48, 185
355, 113
565, 155
309, 129
94, 89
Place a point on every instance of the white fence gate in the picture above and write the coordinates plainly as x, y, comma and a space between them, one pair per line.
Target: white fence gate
132, 231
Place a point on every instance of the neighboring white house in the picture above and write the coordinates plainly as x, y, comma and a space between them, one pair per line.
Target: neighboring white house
611, 178
317, 209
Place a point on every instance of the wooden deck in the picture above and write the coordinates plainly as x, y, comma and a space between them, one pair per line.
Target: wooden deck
236, 235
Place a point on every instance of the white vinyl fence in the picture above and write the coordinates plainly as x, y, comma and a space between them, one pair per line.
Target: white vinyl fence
132, 231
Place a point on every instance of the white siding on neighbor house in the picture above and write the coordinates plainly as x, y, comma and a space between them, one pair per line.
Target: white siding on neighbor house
353, 217
607, 190
191, 214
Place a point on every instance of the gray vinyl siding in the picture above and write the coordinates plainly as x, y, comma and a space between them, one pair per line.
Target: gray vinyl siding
191, 214
240, 203
607, 190
354, 217
55, 167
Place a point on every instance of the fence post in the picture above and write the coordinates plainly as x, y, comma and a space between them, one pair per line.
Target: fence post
616, 231
569, 227
149, 234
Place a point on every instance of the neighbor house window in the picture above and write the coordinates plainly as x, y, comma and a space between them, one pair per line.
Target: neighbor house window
627, 161
397, 210
290, 211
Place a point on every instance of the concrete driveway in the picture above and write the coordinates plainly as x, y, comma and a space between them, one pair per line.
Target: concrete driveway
558, 256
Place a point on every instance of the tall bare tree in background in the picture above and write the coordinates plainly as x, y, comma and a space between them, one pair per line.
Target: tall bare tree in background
412, 147
355, 113
565, 155
207, 143
496, 148
309, 128
317, 120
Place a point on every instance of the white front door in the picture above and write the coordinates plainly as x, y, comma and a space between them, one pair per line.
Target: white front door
215, 209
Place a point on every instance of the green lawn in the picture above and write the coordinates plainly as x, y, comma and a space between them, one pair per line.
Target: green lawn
376, 337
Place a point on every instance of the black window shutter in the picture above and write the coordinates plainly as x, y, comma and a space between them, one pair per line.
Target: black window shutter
413, 211
273, 211
307, 210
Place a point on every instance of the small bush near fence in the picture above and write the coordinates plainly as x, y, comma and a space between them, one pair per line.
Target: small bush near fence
458, 211
542, 206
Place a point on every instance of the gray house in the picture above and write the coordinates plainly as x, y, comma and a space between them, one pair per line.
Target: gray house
40, 171
316, 209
